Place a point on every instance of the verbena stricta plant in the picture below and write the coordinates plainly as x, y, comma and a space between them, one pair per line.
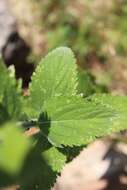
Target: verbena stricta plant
67, 118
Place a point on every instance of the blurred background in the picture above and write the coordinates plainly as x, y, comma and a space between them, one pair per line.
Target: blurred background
96, 30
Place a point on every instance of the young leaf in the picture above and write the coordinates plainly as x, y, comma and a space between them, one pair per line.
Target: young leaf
74, 121
55, 76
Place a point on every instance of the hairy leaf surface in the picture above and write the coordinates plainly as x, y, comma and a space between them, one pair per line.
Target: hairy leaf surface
55, 76
74, 121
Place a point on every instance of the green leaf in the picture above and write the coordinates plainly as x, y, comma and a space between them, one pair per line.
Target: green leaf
55, 76
28, 112
10, 98
3, 78
4, 116
14, 147
40, 160
54, 158
86, 83
117, 103
12, 101
74, 121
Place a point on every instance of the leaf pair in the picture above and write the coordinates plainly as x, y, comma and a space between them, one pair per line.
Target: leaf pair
65, 117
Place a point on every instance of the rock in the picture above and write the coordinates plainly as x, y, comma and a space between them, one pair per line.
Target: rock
101, 166
7, 23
